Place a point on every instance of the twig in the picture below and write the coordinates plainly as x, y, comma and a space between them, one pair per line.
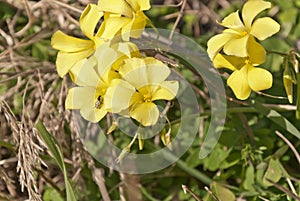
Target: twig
290, 145
64, 5
178, 19
9, 160
283, 189
30, 20
249, 131
270, 96
169, 5
212, 194
99, 179
262, 198
186, 189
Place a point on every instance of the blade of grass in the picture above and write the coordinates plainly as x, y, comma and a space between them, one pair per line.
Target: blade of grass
56, 151
277, 118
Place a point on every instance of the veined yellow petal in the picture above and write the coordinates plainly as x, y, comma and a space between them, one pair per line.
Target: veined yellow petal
85, 73
157, 71
265, 27
79, 97
127, 48
118, 96
127, 28
167, 91
93, 114
89, 19
259, 79
217, 42
134, 71
237, 46
233, 21
145, 113
139, 4
231, 62
238, 82
65, 61
111, 26
66, 43
251, 9
115, 6
105, 56
256, 52
74, 71
139, 24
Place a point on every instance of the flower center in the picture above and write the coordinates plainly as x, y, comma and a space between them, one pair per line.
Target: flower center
244, 33
147, 98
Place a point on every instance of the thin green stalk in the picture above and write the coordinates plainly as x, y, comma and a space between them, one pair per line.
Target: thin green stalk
181, 164
278, 53
298, 96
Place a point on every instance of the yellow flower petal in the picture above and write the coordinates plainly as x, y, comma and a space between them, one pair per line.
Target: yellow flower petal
93, 114
127, 48
265, 27
84, 98
66, 43
74, 71
118, 96
167, 91
237, 46
79, 97
65, 61
139, 24
141, 72
115, 6
231, 62
145, 113
233, 21
105, 57
238, 82
251, 9
84, 74
111, 26
256, 52
89, 19
217, 42
259, 79
126, 29
139, 4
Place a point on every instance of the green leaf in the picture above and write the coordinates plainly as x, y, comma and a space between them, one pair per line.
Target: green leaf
51, 194
56, 151
277, 118
249, 178
273, 173
214, 160
222, 192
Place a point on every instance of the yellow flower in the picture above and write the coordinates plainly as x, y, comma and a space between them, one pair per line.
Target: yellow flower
124, 17
72, 50
93, 76
240, 35
245, 76
143, 82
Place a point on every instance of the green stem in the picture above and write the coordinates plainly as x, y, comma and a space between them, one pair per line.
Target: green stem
278, 53
181, 164
298, 96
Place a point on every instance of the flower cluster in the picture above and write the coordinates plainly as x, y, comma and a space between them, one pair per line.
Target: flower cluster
237, 49
110, 72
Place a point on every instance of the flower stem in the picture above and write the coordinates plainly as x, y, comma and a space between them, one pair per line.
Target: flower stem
278, 53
